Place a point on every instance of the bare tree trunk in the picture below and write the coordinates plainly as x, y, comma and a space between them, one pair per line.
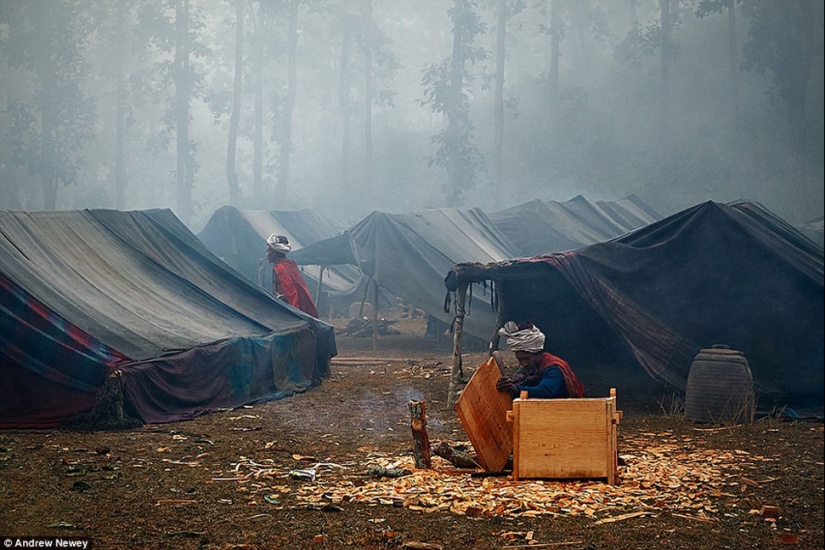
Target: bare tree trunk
183, 177
498, 101
258, 107
734, 62
664, 88
48, 136
343, 105
231, 173
282, 189
120, 107
368, 96
555, 40
454, 107
798, 115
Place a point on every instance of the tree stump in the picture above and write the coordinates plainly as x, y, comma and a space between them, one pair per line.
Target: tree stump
421, 440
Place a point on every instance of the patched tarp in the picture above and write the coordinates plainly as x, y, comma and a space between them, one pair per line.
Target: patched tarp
135, 291
543, 227
408, 254
238, 237
712, 274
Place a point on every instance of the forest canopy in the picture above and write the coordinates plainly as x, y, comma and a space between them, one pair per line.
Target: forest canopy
361, 105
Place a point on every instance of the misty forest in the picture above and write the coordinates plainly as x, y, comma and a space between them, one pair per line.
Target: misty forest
350, 106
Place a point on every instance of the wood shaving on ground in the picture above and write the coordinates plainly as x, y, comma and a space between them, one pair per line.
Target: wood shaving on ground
662, 473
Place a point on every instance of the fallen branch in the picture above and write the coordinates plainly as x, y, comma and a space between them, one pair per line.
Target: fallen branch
371, 359
546, 544
624, 517
457, 458
696, 518
413, 545
751, 482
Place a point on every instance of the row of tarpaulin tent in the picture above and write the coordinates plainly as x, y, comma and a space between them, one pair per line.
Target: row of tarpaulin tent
408, 253
239, 237
706, 278
647, 302
133, 300
90, 294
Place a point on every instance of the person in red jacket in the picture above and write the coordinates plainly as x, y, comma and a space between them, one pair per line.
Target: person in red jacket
287, 282
541, 374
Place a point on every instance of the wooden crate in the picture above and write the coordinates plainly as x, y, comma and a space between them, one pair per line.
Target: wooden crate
565, 438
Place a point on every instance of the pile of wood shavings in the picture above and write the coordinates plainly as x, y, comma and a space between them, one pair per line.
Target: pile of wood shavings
660, 474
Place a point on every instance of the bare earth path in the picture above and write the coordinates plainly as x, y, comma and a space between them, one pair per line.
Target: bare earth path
242, 478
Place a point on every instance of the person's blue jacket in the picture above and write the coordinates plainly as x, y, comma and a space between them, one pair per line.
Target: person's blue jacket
551, 385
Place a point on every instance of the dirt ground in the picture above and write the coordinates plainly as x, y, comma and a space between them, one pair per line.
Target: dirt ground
243, 478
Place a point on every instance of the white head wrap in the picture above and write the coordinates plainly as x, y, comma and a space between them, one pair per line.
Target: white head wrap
278, 243
530, 339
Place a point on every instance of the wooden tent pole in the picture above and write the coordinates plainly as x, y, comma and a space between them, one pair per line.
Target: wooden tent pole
494, 340
375, 315
455, 377
320, 286
364, 297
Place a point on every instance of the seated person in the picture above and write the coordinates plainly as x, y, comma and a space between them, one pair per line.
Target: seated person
541, 374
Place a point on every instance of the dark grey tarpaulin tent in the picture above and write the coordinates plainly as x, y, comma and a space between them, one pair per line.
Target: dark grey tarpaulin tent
539, 227
238, 237
89, 293
408, 254
712, 274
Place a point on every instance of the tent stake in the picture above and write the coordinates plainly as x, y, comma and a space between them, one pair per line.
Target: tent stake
455, 377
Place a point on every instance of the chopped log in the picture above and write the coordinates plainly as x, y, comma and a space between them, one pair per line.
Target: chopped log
457, 458
378, 471
421, 440
414, 545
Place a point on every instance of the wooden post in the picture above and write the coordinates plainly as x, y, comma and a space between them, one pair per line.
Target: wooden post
494, 340
421, 440
320, 286
455, 377
364, 298
375, 315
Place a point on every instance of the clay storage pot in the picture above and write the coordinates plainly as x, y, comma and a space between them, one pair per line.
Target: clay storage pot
719, 387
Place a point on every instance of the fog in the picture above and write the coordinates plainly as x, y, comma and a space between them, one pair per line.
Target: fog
351, 106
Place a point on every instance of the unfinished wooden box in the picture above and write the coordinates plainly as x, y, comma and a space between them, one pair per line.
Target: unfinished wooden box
565, 438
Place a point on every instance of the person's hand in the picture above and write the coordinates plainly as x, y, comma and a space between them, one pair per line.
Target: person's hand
506, 385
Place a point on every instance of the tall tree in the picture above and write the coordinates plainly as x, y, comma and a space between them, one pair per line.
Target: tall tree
282, 187
258, 62
705, 8
445, 93
368, 46
181, 74
664, 82
504, 11
781, 41
347, 25
48, 40
173, 27
235, 116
